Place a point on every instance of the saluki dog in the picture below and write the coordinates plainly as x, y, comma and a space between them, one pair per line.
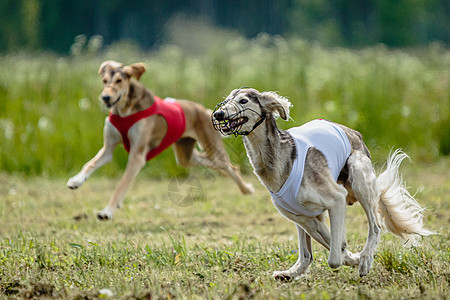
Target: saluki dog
147, 125
317, 167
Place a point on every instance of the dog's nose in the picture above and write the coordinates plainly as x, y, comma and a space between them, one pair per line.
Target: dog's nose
106, 98
219, 115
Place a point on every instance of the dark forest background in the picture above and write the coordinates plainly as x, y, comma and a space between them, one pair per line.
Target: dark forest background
53, 24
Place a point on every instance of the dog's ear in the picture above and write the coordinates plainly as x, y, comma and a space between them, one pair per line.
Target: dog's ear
135, 70
108, 64
273, 102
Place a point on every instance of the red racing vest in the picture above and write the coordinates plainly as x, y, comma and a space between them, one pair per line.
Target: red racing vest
169, 110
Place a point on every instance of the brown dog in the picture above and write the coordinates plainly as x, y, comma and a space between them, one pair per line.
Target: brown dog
149, 135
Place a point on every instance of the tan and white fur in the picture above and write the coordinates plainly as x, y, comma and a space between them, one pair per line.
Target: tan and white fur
384, 199
124, 95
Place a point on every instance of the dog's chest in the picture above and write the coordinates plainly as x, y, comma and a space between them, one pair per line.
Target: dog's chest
329, 139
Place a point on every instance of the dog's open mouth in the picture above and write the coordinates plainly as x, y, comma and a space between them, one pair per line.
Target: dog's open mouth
233, 125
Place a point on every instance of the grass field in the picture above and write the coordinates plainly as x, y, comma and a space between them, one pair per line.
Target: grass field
215, 244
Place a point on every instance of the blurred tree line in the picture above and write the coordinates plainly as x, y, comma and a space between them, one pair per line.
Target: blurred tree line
53, 24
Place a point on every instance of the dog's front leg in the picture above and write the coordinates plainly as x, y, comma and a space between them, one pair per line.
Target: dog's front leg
337, 227
103, 156
111, 138
136, 160
305, 258
318, 230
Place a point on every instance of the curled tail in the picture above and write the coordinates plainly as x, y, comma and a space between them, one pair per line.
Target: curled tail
401, 213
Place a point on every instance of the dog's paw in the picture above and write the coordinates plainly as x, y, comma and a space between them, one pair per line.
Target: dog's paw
104, 215
283, 276
75, 182
334, 264
351, 259
248, 189
365, 264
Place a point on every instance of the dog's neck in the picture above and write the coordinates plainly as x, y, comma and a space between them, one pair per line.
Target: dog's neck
136, 99
271, 152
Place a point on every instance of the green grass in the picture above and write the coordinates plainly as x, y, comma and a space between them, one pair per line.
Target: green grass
222, 246
51, 121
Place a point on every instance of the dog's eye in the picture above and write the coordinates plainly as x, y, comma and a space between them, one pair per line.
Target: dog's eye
118, 80
243, 101
104, 80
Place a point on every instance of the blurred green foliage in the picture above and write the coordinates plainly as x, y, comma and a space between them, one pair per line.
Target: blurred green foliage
51, 121
53, 24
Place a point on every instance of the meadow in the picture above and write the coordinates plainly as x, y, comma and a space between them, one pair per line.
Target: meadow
217, 244
51, 120
206, 240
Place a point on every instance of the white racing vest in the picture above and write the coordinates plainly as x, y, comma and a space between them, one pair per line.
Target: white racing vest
328, 138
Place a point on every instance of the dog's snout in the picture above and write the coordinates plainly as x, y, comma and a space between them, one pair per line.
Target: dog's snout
219, 115
106, 98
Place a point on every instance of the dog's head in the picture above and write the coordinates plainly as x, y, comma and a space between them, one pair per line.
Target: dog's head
245, 109
116, 80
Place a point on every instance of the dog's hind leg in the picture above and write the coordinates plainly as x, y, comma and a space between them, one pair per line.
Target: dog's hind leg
233, 172
187, 156
218, 158
213, 157
363, 182
183, 150
305, 258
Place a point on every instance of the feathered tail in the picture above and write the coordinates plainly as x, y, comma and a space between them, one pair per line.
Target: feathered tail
401, 213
